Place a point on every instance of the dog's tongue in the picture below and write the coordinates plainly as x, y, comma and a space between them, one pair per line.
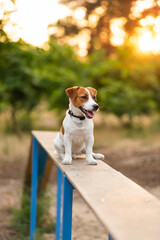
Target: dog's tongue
90, 114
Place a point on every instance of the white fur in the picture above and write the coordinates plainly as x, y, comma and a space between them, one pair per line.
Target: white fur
78, 136
90, 103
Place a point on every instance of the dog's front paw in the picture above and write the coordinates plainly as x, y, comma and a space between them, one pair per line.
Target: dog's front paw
91, 161
67, 161
98, 156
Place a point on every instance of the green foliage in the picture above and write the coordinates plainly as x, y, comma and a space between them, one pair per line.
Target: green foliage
61, 70
18, 79
29, 74
24, 122
126, 83
21, 217
120, 99
20, 82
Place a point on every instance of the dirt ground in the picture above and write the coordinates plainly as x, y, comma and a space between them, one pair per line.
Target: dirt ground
138, 159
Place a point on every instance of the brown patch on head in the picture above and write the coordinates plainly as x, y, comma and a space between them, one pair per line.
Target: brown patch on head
93, 93
72, 92
62, 129
78, 95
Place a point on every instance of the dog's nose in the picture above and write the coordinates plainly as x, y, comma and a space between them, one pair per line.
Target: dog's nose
95, 107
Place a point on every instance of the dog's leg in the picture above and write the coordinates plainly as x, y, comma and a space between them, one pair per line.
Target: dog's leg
61, 155
59, 146
98, 156
89, 145
68, 150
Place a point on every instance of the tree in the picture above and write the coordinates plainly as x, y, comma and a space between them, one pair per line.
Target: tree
20, 83
98, 18
127, 84
61, 69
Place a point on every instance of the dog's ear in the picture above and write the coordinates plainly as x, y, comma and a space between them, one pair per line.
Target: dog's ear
72, 92
93, 91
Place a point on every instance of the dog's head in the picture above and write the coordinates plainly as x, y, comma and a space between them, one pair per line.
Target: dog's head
84, 99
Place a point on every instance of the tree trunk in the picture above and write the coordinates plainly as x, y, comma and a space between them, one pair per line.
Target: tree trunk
13, 119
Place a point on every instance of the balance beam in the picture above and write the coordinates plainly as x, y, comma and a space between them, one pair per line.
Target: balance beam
126, 210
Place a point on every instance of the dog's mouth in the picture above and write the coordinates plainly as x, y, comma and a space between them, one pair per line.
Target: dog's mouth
88, 114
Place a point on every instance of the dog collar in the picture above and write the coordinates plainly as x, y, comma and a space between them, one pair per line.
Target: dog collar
72, 114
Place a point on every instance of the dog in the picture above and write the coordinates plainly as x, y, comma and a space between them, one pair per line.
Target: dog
76, 134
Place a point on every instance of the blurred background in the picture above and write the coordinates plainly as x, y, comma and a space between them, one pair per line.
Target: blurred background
47, 46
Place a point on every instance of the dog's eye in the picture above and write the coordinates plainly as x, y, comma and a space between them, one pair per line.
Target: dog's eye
84, 97
94, 97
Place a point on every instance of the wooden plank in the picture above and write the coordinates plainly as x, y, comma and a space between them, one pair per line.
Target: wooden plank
126, 210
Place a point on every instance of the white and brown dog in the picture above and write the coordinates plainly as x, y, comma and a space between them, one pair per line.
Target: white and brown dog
76, 134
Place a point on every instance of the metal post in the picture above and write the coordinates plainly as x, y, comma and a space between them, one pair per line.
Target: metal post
59, 200
34, 187
110, 237
42, 162
67, 209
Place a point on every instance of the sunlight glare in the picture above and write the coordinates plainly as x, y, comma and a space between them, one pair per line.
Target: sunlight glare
118, 33
83, 41
156, 28
100, 10
31, 19
148, 21
82, 52
7, 5
1, 13
149, 41
80, 13
93, 20
80, 42
139, 6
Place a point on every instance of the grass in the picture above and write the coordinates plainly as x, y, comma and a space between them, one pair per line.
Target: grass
21, 217
107, 136
14, 147
14, 151
39, 119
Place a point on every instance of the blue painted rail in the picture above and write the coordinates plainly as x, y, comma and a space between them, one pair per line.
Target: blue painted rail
126, 210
